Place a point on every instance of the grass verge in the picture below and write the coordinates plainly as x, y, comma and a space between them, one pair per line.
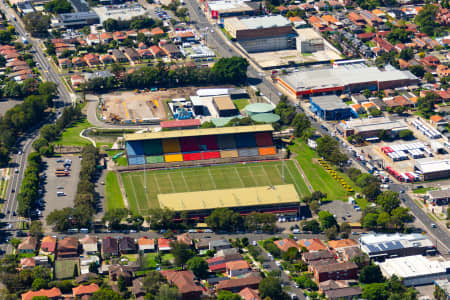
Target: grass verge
113, 195
71, 135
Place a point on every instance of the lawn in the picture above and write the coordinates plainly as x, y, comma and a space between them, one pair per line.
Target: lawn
150, 260
64, 268
71, 136
423, 190
113, 195
241, 103
319, 178
206, 178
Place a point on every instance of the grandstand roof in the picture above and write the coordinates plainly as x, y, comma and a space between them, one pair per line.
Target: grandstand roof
196, 132
251, 196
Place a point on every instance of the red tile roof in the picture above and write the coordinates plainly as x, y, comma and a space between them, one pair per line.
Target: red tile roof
285, 244
51, 293
85, 289
180, 123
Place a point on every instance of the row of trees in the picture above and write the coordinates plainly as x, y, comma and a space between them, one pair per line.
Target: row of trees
135, 23
328, 148
224, 219
85, 205
369, 184
58, 6
28, 195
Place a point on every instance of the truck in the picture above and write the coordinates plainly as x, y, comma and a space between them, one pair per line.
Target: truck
61, 173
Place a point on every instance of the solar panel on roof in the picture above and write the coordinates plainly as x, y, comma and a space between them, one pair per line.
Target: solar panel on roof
373, 248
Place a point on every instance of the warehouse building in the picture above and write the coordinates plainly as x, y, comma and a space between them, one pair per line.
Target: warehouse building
345, 79
224, 106
220, 9
439, 197
382, 246
417, 269
371, 128
330, 108
433, 169
262, 33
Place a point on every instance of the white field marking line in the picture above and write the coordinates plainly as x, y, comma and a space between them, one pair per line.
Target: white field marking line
157, 183
267, 175
253, 176
185, 182
171, 183
293, 179
134, 192
212, 178
146, 195
239, 176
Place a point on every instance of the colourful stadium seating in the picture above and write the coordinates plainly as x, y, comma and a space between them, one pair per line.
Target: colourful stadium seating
263, 139
171, 146
136, 160
152, 147
211, 154
228, 153
245, 140
245, 152
226, 141
208, 142
134, 148
173, 157
189, 144
267, 151
155, 159
192, 156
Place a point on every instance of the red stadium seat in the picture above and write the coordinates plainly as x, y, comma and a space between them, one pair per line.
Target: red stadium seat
211, 154
192, 156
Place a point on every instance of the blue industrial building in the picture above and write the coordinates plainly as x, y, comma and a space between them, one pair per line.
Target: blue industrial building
331, 108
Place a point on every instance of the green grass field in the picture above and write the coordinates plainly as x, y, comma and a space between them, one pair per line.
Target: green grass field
319, 178
206, 178
113, 195
64, 268
71, 136
241, 103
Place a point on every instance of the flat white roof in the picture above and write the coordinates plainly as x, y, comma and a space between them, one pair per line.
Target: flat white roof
226, 5
413, 266
265, 22
431, 166
373, 244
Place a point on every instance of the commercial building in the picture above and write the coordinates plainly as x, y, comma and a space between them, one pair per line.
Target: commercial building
78, 19
417, 269
262, 33
433, 169
119, 12
330, 107
224, 106
439, 197
382, 246
221, 9
347, 78
309, 42
371, 128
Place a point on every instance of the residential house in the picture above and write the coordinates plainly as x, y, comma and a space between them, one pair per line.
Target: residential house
219, 263
142, 45
48, 245
353, 292
53, 293
91, 59
249, 294
132, 34
106, 37
219, 244
438, 120
383, 44
90, 245
146, 245
298, 22
41, 261
92, 39
202, 244
27, 263
106, 59
370, 18
156, 31
348, 254
185, 36
339, 244
119, 36
398, 101
77, 80
110, 247
28, 245
356, 19
442, 71
145, 32
285, 244
85, 278
185, 282
118, 56
172, 51
431, 61
78, 62
185, 238
67, 247
86, 261
316, 263
238, 267
309, 257
116, 271
157, 51
138, 289
236, 285
127, 245
336, 271
132, 54
312, 244
163, 244
145, 53
65, 63
85, 290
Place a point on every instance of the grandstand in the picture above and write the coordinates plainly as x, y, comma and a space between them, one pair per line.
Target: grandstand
199, 144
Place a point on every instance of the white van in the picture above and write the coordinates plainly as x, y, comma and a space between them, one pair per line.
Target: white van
59, 194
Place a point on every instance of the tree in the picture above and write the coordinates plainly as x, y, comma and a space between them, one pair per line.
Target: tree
429, 77
114, 216
75, 270
231, 70
331, 233
121, 284
383, 219
417, 70
370, 221
37, 23
48, 88
360, 260
117, 69
160, 218
181, 253
314, 206
399, 216
167, 292
48, 132
328, 148
106, 294
406, 134
271, 287
15, 242
375, 112
371, 274
198, 266
224, 219
58, 6
311, 225
388, 201
93, 267
227, 295
326, 220
36, 229
305, 282
406, 54
291, 254
426, 19
345, 230
300, 124
371, 191
375, 291
152, 281
39, 283
39, 143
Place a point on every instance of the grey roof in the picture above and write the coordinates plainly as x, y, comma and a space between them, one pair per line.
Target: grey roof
329, 102
78, 16
218, 243
265, 22
439, 194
